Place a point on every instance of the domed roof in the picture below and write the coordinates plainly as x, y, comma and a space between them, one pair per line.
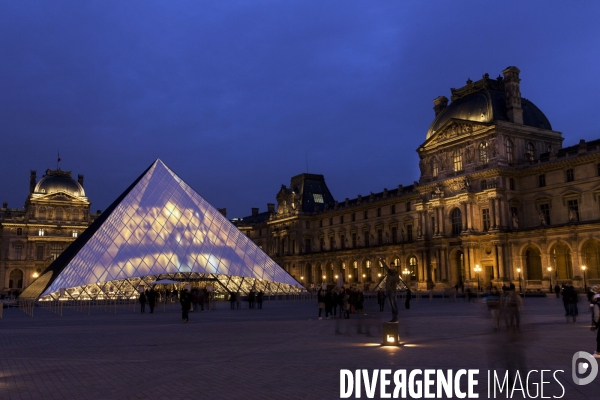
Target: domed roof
59, 181
485, 101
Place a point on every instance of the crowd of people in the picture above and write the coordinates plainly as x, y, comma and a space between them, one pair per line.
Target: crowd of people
253, 297
340, 302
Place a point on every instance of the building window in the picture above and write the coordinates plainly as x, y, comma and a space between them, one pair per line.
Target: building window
322, 244
331, 243
15, 279
18, 251
342, 241
545, 212
353, 239
486, 219
293, 246
412, 264
318, 198
379, 236
353, 217
55, 250
456, 219
307, 245
42, 213
573, 206
484, 184
408, 206
19, 231
341, 219
483, 153
41, 232
307, 224
509, 148
330, 221
39, 253
511, 184
457, 160
394, 234
570, 175
320, 223
542, 180
434, 167
59, 214
393, 209
366, 214
379, 212
530, 154
409, 235
366, 235
598, 169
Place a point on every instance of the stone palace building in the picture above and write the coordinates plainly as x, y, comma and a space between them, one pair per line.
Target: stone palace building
55, 213
499, 201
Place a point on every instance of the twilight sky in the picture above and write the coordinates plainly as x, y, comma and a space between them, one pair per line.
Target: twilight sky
235, 96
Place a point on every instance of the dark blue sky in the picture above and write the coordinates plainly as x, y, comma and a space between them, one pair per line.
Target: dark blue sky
233, 95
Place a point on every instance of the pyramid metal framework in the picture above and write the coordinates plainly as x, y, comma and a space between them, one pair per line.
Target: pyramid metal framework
159, 228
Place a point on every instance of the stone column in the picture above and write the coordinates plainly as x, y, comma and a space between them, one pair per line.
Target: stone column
469, 262
464, 215
497, 221
501, 266
442, 222
469, 216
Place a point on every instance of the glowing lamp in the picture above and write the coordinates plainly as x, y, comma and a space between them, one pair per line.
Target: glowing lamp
390, 334
35, 275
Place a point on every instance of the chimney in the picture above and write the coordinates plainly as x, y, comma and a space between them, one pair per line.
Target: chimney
80, 180
440, 104
222, 211
32, 179
271, 207
512, 88
254, 212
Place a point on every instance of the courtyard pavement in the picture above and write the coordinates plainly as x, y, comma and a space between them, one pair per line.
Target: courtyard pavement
280, 352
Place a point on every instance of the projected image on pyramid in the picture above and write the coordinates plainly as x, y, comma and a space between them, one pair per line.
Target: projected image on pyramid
160, 228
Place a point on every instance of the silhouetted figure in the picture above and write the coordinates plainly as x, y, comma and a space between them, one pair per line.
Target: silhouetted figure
259, 299
151, 296
381, 299
408, 299
391, 283
142, 300
186, 302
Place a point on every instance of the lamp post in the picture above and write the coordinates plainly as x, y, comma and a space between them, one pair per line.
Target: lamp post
583, 267
519, 271
550, 279
478, 270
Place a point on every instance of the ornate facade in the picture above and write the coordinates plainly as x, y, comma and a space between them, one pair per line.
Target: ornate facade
499, 201
55, 213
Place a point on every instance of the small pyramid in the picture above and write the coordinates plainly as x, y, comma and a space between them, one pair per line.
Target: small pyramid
160, 228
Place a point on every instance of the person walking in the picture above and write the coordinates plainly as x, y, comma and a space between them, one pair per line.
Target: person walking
201, 298
151, 297
572, 300
186, 303
381, 299
320, 302
557, 290
493, 303
232, 301
195, 299
408, 298
238, 299
259, 299
251, 295
328, 304
595, 305
391, 283
142, 300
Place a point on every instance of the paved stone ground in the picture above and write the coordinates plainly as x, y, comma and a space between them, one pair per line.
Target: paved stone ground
280, 352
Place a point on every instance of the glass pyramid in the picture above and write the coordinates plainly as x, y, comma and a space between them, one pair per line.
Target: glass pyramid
160, 228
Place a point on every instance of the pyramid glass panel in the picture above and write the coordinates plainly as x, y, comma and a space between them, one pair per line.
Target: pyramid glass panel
161, 226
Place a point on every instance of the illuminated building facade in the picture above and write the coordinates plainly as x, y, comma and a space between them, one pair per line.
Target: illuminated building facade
56, 212
159, 228
499, 201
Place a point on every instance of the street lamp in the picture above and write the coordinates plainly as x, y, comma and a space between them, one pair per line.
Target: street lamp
519, 271
550, 277
583, 267
477, 269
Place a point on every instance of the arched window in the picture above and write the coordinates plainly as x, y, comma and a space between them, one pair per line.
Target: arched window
591, 259
434, 167
483, 153
561, 261
457, 160
533, 264
412, 267
15, 279
456, 219
19, 231
530, 155
510, 148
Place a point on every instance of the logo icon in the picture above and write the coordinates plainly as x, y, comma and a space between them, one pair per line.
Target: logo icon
581, 363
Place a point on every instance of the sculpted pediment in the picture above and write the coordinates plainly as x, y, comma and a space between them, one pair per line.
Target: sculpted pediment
60, 196
454, 129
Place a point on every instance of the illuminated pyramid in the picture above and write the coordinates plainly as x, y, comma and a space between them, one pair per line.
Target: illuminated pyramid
159, 228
